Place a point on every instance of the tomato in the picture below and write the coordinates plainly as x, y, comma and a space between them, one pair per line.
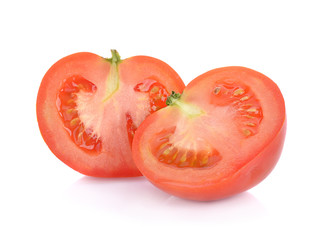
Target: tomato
89, 107
222, 136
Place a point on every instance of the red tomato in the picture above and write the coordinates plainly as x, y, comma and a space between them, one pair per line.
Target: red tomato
222, 136
89, 107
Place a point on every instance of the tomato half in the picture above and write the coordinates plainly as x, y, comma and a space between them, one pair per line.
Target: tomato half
89, 107
222, 136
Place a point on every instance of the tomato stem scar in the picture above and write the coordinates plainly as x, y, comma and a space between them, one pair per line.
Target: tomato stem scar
112, 82
189, 109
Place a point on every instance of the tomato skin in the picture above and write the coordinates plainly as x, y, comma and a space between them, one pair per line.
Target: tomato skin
233, 173
114, 159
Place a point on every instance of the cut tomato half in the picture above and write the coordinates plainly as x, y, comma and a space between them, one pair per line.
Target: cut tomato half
89, 107
222, 136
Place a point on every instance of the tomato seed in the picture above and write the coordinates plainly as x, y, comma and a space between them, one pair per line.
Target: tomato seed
244, 98
74, 122
238, 92
252, 110
247, 132
217, 90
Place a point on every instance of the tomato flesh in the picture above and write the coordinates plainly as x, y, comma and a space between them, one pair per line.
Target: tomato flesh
221, 137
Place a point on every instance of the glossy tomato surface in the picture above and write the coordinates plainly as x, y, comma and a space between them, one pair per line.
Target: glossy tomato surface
89, 107
222, 136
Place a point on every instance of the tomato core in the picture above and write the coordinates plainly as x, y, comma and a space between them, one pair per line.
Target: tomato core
66, 103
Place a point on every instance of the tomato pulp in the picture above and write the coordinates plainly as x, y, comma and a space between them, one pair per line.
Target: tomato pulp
222, 136
89, 107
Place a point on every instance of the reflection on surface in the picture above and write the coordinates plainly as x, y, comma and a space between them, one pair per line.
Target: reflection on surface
137, 197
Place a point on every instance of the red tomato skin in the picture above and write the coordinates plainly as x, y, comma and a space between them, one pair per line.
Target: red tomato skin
93, 68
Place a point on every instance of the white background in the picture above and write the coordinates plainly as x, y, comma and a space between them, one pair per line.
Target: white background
289, 41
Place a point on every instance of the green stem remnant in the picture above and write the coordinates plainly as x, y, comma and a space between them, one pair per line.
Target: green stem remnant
191, 110
112, 82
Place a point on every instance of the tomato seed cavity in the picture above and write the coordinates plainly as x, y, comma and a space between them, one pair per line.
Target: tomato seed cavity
174, 155
131, 128
243, 101
66, 105
157, 93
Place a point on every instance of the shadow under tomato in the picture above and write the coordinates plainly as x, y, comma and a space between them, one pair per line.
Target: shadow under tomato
109, 193
137, 197
241, 207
